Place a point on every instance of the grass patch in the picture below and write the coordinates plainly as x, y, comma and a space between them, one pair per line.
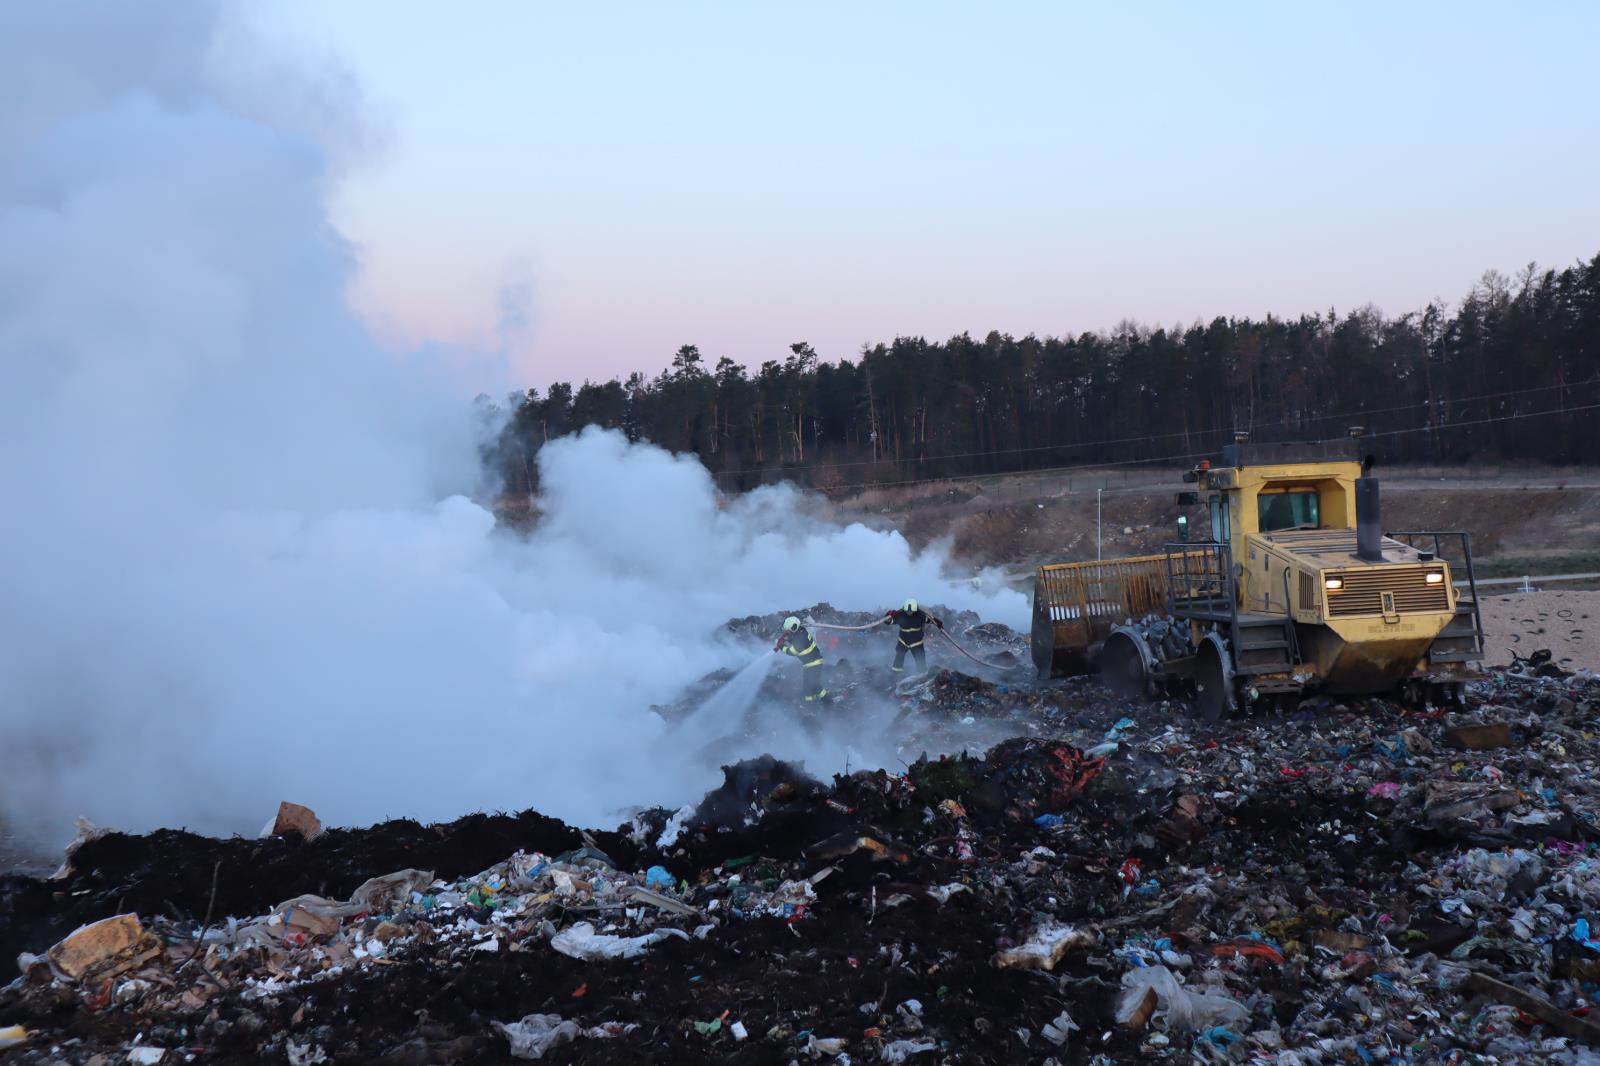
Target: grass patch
1534, 565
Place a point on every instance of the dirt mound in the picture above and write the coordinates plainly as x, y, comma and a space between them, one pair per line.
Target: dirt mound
171, 872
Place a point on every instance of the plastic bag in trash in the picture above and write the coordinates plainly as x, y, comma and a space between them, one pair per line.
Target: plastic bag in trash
1178, 1008
901, 1050
1059, 1029
582, 942
1045, 947
537, 1033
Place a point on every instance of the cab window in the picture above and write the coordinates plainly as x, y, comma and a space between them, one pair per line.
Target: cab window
1285, 510
1219, 520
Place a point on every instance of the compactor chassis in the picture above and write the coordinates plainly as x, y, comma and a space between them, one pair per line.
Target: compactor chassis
1203, 648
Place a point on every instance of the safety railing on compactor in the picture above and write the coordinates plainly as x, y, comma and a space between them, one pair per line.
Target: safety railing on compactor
1200, 581
1453, 547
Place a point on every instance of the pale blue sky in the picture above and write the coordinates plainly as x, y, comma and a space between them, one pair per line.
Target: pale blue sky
744, 176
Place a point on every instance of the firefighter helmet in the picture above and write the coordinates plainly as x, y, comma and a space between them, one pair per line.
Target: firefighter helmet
911, 605
791, 624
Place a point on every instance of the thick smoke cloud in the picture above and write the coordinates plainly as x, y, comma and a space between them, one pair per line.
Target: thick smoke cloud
241, 561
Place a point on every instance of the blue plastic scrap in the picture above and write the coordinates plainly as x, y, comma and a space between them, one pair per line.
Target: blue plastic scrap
1394, 748
658, 877
1049, 821
1262, 938
1580, 933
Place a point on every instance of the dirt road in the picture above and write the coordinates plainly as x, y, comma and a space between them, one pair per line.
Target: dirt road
1566, 621
1544, 521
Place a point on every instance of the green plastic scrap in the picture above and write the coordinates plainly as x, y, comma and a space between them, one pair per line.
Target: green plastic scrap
708, 1028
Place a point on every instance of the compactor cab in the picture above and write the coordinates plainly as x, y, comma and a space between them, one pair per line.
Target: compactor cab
1296, 589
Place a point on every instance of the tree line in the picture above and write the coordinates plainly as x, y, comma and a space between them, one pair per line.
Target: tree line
1511, 373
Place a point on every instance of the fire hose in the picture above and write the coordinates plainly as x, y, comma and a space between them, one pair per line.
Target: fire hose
939, 629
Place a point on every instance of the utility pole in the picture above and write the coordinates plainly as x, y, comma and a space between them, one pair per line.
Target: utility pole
1097, 493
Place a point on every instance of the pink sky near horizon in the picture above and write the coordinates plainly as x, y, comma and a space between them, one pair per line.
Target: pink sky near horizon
742, 179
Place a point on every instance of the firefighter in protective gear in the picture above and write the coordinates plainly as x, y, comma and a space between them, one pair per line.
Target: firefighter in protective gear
798, 641
912, 620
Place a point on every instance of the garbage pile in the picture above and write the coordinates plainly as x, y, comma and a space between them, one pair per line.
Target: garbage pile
1356, 881
989, 641
858, 666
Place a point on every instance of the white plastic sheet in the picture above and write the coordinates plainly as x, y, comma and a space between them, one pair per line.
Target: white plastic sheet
580, 941
536, 1034
1177, 1008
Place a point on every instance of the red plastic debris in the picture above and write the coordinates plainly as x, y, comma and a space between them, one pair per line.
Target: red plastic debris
1287, 772
1072, 773
583, 990
98, 998
1130, 871
1253, 949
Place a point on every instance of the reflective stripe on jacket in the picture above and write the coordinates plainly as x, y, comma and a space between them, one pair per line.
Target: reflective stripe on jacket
911, 624
810, 655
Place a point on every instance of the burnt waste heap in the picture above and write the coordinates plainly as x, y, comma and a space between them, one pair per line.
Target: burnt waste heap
1352, 882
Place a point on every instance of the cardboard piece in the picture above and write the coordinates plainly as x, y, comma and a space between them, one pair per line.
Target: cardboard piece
104, 949
293, 818
1479, 736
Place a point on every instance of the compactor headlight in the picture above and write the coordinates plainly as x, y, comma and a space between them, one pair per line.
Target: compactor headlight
1435, 577
1333, 584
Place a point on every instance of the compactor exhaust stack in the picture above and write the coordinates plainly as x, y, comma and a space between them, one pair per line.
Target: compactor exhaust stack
1369, 523
1369, 526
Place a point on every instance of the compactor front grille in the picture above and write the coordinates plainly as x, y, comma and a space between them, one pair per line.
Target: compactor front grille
1363, 593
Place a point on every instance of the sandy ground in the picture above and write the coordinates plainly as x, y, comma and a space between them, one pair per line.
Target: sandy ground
1566, 622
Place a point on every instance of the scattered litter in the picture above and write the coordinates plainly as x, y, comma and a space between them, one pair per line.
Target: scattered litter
1348, 880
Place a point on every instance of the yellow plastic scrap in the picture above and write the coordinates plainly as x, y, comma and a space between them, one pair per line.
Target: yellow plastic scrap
1287, 932
13, 1036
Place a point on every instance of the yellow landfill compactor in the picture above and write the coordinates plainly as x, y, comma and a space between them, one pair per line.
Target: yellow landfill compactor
1295, 589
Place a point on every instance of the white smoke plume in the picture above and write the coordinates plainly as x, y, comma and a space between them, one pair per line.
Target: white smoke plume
239, 560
